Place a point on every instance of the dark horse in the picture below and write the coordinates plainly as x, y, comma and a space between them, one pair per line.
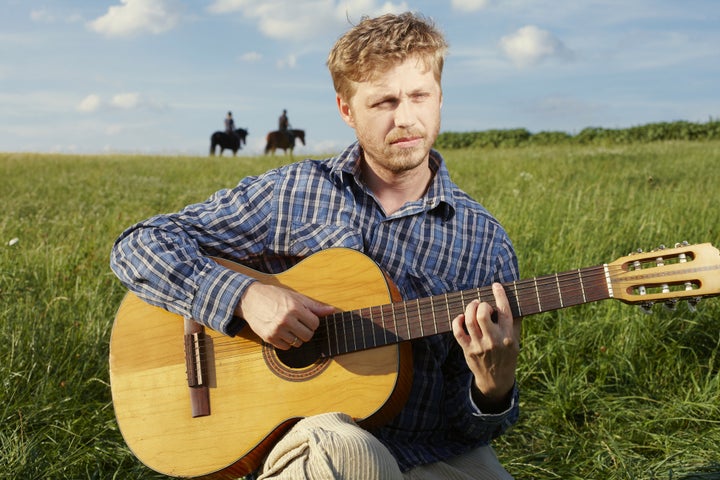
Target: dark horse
225, 140
278, 139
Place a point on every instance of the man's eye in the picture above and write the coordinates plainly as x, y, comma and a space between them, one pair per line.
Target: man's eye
384, 103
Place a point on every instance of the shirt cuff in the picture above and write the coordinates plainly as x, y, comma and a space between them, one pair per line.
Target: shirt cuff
478, 413
219, 292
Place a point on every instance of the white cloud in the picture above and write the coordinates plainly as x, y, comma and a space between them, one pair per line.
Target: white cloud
125, 101
138, 16
302, 19
531, 45
469, 5
89, 104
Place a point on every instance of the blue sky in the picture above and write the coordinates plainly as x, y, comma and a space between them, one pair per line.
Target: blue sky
158, 76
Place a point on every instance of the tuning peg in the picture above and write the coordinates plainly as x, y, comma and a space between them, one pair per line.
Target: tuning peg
646, 307
671, 304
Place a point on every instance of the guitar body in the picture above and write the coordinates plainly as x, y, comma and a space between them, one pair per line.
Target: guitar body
254, 397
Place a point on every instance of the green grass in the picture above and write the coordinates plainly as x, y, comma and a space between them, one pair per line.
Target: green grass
606, 391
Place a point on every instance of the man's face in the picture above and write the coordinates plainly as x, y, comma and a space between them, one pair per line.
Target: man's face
396, 116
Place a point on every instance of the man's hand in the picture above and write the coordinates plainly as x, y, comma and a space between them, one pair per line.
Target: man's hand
490, 339
281, 317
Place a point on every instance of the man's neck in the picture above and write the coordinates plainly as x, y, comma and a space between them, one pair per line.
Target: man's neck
393, 190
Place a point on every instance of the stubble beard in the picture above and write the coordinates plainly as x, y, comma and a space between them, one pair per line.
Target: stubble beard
401, 160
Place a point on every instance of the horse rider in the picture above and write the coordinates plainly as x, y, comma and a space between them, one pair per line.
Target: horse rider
284, 127
230, 124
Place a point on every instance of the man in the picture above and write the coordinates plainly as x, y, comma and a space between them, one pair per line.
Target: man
283, 122
229, 124
390, 196
284, 127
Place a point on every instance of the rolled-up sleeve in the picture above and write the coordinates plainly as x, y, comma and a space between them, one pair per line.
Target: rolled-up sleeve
166, 260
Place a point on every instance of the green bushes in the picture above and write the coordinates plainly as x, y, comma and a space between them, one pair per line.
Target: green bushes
520, 137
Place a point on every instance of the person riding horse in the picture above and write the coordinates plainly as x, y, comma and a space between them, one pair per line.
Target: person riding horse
284, 127
229, 124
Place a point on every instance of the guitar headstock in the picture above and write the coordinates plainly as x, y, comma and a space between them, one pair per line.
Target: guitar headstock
685, 271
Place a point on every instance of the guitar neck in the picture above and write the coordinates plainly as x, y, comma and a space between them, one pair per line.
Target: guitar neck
366, 328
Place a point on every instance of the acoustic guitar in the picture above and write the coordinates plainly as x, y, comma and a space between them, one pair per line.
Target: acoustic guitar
191, 402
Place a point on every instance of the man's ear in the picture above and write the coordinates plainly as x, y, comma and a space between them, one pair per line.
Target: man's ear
345, 111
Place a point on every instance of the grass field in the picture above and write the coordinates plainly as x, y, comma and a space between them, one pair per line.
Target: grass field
607, 391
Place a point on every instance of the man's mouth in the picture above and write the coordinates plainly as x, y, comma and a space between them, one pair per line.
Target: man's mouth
406, 141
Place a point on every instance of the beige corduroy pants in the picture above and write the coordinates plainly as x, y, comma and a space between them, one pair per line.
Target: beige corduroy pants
333, 447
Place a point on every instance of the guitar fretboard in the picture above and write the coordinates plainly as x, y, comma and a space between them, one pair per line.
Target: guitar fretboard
366, 328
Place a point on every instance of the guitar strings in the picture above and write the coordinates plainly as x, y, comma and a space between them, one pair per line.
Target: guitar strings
590, 284
360, 328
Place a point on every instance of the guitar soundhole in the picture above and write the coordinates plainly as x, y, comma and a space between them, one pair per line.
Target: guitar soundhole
296, 364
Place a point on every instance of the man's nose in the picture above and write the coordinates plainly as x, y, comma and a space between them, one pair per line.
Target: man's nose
404, 114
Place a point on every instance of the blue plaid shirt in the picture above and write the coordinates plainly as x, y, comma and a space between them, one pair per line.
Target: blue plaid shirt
441, 243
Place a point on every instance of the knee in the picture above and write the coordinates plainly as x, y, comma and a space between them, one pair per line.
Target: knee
336, 445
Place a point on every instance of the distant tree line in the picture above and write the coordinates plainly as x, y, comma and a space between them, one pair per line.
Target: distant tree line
520, 137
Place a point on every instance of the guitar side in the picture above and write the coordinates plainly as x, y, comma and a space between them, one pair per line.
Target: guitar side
251, 403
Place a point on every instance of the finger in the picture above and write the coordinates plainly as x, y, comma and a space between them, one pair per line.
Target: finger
309, 317
321, 309
458, 328
511, 327
301, 331
501, 301
483, 320
282, 344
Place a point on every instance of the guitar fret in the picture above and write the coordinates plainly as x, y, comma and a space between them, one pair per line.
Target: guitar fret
394, 319
582, 285
337, 333
382, 321
351, 342
517, 299
345, 335
557, 283
417, 301
432, 310
447, 307
327, 334
537, 295
407, 321
362, 328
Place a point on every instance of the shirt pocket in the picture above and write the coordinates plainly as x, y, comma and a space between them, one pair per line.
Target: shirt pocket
304, 239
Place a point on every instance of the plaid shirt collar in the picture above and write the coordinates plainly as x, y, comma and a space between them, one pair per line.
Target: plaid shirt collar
439, 196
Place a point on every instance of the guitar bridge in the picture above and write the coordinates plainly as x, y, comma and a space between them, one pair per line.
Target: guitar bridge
194, 360
196, 368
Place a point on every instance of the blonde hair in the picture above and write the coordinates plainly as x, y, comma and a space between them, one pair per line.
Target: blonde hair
375, 45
